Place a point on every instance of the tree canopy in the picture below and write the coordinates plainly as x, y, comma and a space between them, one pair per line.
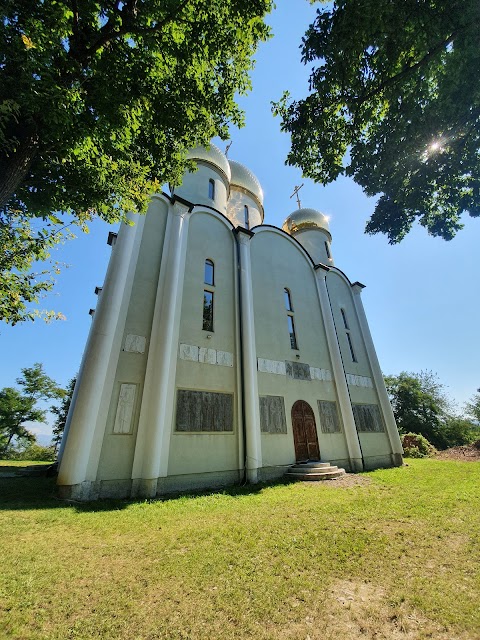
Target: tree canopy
394, 102
99, 102
20, 407
421, 406
472, 407
61, 413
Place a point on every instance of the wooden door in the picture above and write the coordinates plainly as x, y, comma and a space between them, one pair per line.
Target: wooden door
304, 432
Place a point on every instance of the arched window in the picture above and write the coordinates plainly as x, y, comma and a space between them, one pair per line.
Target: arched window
211, 189
288, 300
246, 217
327, 249
290, 318
209, 272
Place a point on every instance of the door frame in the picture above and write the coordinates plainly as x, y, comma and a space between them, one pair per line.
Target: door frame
310, 444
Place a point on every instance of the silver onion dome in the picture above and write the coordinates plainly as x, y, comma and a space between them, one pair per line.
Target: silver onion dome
244, 179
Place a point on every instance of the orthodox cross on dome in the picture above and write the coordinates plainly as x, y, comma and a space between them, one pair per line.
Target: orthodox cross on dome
295, 193
228, 147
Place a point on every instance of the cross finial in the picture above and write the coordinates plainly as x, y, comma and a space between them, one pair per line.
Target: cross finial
228, 147
295, 193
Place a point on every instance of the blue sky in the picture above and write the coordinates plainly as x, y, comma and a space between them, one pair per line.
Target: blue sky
421, 297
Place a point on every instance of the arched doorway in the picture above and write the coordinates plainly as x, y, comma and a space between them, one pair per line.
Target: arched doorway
304, 432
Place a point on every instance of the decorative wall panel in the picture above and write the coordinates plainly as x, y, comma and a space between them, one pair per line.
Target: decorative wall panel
272, 414
367, 418
204, 411
329, 421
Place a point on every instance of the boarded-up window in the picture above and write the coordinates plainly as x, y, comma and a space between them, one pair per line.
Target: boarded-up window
272, 414
329, 421
204, 411
367, 418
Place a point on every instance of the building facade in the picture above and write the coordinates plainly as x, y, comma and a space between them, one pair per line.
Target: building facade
222, 349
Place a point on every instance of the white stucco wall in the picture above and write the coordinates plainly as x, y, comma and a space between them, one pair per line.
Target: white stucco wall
210, 237
313, 240
117, 449
194, 187
279, 263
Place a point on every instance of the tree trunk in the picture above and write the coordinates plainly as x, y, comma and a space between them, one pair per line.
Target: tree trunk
15, 164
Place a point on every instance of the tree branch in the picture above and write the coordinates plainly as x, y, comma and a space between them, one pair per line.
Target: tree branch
408, 70
109, 33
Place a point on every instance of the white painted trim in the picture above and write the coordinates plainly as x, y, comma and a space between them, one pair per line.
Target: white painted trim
79, 461
252, 409
154, 428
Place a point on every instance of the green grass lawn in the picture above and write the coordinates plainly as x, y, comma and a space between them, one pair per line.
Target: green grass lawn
24, 463
395, 556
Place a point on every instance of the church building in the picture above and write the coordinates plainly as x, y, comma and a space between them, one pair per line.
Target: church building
222, 350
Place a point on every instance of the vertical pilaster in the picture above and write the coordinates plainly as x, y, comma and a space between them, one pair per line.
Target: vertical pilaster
94, 369
392, 431
345, 406
155, 422
249, 357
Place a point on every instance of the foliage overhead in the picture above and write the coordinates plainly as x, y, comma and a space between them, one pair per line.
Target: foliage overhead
22, 244
395, 83
99, 102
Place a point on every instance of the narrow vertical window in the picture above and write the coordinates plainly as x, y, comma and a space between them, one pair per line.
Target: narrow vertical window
349, 337
352, 352
327, 249
246, 216
291, 323
209, 272
207, 311
291, 331
211, 189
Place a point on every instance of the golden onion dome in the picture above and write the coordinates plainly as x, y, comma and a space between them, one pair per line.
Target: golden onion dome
244, 179
212, 156
304, 219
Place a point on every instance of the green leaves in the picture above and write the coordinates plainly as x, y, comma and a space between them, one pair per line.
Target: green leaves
395, 84
421, 406
100, 101
20, 407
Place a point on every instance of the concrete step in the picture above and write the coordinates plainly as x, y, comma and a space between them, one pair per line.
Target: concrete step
312, 477
312, 465
313, 471
302, 469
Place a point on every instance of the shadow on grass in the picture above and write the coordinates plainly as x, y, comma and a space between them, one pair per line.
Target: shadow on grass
23, 493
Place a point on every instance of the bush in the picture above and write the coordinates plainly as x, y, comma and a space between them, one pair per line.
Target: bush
36, 453
416, 446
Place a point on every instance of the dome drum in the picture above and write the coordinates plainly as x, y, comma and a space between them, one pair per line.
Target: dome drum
210, 183
310, 227
243, 181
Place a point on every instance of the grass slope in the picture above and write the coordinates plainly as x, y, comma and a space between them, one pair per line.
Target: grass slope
395, 556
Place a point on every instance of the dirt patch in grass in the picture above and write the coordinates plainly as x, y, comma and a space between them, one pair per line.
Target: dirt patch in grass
363, 610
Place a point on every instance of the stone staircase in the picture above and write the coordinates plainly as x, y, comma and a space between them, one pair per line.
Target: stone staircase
314, 471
